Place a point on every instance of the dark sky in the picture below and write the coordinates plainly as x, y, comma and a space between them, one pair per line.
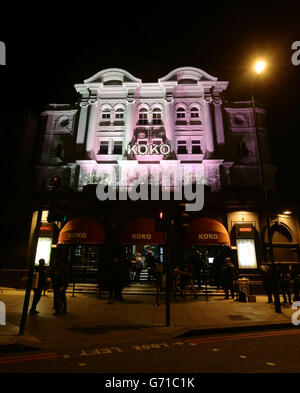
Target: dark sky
51, 46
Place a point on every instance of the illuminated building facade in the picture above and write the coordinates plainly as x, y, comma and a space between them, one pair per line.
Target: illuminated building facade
183, 120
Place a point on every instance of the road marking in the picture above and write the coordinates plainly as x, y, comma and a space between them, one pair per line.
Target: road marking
243, 357
270, 364
242, 336
25, 358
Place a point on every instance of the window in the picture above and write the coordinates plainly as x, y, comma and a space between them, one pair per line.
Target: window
106, 114
103, 147
118, 147
180, 113
196, 147
181, 147
120, 114
156, 116
195, 113
157, 142
143, 116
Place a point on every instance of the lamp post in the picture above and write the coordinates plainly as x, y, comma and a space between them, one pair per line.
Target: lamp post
259, 67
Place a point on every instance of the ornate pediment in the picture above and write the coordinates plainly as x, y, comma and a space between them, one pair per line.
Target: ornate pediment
112, 76
187, 75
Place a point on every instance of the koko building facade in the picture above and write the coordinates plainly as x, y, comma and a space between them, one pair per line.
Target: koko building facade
123, 125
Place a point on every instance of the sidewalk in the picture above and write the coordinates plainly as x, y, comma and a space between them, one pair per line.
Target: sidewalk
137, 318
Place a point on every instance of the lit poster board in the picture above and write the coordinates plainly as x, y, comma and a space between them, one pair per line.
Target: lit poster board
43, 250
246, 253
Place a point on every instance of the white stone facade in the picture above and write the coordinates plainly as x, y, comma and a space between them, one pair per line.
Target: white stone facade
119, 120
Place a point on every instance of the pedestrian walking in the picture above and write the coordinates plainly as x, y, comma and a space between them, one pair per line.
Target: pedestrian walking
40, 269
229, 276
188, 279
116, 280
60, 285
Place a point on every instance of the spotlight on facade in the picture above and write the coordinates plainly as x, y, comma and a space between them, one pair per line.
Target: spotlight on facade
259, 66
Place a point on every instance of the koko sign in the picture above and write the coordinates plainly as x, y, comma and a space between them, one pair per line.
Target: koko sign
143, 149
141, 236
76, 235
208, 236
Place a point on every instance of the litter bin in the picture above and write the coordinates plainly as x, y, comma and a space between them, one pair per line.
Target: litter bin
243, 289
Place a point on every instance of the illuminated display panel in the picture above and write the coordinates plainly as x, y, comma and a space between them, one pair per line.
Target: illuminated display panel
43, 250
246, 253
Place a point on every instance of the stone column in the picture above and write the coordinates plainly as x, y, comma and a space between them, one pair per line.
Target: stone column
91, 128
82, 123
208, 127
128, 124
220, 137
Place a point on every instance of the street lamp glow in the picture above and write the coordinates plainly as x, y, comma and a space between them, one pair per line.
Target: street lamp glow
287, 212
259, 66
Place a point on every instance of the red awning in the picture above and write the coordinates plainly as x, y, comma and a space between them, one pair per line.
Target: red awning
205, 232
141, 231
83, 230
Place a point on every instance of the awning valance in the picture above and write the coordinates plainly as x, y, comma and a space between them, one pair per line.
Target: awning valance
141, 231
205, 232
82, 230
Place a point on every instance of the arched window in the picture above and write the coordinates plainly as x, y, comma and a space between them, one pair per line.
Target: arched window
180, 113
106, 114
143, 116
119, 114
195, 113
156, 120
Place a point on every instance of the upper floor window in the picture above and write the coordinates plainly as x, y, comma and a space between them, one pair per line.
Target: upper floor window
156, 116
196, 147
106, 114
143, 116
180, 113
119, 115
181, 147
118, 147
195, 113
103, 149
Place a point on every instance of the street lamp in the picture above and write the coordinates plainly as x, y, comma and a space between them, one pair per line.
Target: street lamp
259, 67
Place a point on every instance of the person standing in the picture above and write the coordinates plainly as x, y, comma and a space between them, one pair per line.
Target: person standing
116, 280
40, 286
150, 263
138, 268
229, 274
60, 285
198, 267
284, 280
266, 275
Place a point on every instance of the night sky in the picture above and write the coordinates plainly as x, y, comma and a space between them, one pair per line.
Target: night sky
52, 46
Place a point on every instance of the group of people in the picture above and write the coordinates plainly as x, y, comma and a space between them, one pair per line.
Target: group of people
59, 279
224, 272
287, 282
